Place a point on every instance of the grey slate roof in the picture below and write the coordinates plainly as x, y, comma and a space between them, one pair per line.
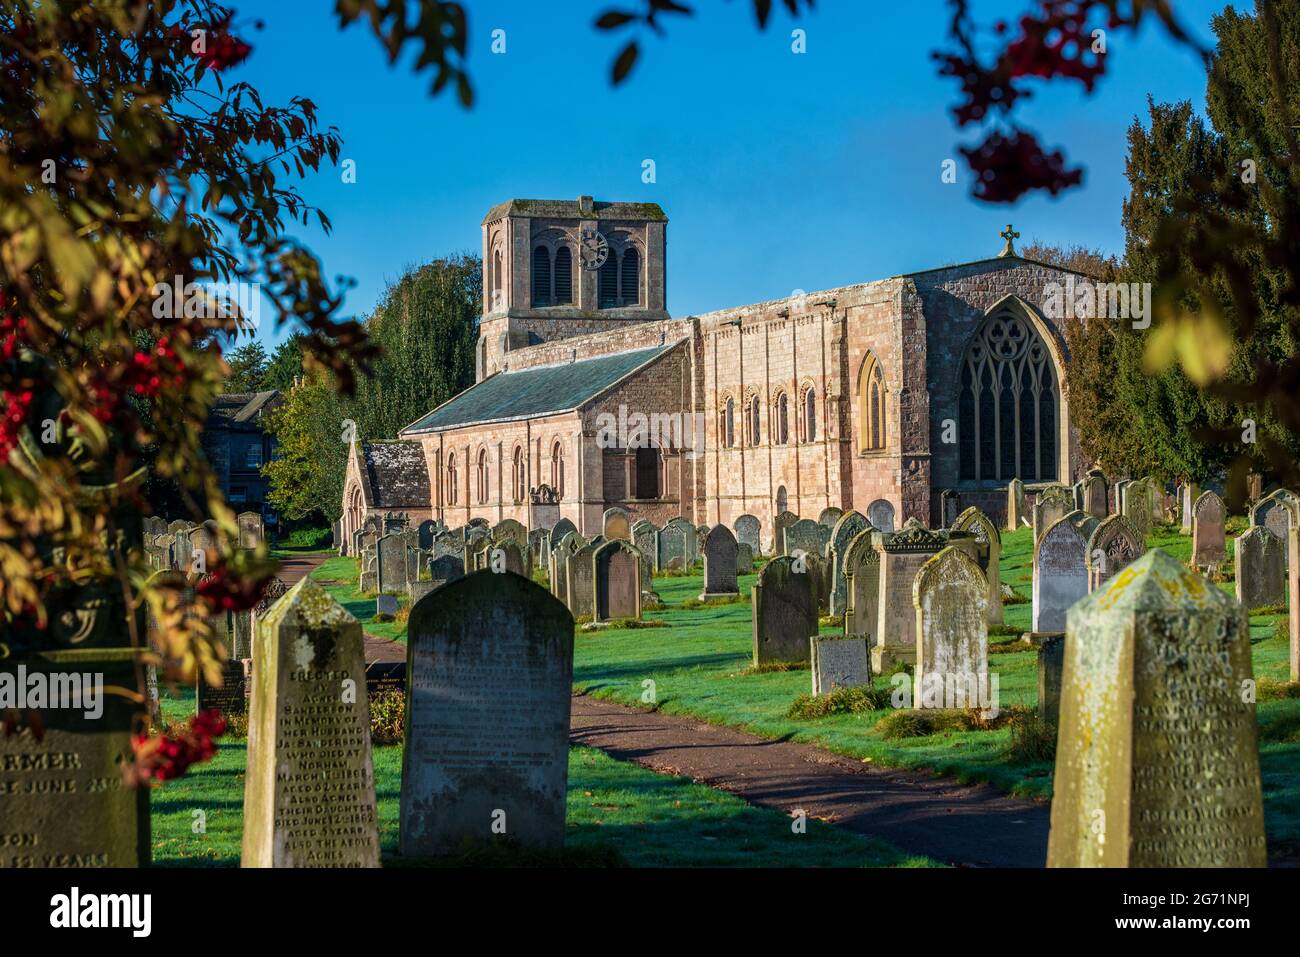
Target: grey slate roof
241, 410
397, 474
541, 390
568, 209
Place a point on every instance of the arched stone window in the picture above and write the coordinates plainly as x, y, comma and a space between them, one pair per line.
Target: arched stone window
563, 279
452, 484
482, 477
871, 405
727, 427
753, 429
618, 282
497, 268
808, 415
1008, 403
519, 475
629, 286
557, 469
781, 419
541, 276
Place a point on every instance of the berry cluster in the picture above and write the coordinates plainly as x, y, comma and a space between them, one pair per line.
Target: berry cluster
1007, 167
225, 590
16, 403
169, 755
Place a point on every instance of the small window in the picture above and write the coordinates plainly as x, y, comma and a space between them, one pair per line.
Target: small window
451, 479
729, 424
810, 416
752, 422
563, 276
520, 477
482, 477
781, 427
630, 285
557, 469
253, 456
647, 472
607, 283
541, 276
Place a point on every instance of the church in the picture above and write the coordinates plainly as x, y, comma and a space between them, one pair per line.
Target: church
896, 396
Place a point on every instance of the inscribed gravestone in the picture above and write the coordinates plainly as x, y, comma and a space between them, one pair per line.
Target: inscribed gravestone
1060, 575
616, 569
1208, 545
251, 530
645, 536
838, 661
309, 791
1261, 571
862, 585
1052, 504
829, 516
1113, 545
580, 579
1278, 512
720, 550
1157, 756
1137, 507
784, 612
561, 528
1095, 494
561, 552
744, 559
616, 525
1188, 494
749, 531
988, 554
950, 596
807, 536
850, 524
672, 543
490, 673
880, 514
902, 554
444, 569
390, 565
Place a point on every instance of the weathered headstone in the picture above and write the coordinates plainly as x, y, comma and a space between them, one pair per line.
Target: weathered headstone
719, 563
807, 536
988, 554
1113, 545
744, 559
838, 661
580, 576
829, 516
1051, 659
1051, 505
1137, 507
902, 554
949, 506
390, 554
850, 524
1096, 493
616, 525
444, 569
1261, 569
779, 524
749, 531
1015, 504
560, 529
487, 739
251, 530
510, 530
1060, 575
673, 542
561, 552
425, 533
1208, 537
784, 612
309, 791
539, 546
386, 605
1157, 759
880, 514
862, 586
616, 581
1279, 512
1188, 493
950, 596
645, 536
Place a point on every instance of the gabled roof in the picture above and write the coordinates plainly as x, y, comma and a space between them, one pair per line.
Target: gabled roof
242, 409
396, 474
569, 209
541, 390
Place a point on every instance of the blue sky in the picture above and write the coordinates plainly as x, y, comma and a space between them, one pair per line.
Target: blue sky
778, 171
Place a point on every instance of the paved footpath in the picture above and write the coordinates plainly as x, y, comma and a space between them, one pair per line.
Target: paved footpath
919, 813
378, 650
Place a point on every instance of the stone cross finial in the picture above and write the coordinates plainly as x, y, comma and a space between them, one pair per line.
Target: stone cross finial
1009, 235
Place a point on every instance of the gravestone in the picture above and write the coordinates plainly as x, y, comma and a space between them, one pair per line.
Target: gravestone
251, 530
386, 605
182, 551
719, 563
1051, 505
444, 569
1279, 512
645, 536
509, 530
1051, 659
228, 695
1117, 494
1188, 494
862, 586
1208, 545
1261, 570
749, 531
1137, 507
1077, 490
449, 542
390, 565
1157, 761
949, 507
1293, 597
784, 613
779, 524
807, 536
616, 525
580, 574
368, 573
560, 555
838, 661
850, 524
309, 790
1015, 504
902, 554
829, 516
880, 514
561, 528
988, 553
487, 740
673, 544
744, 559
949, 596
616, 569
1096, 494
539, 546
418, 589
1060, 575
506, 556
1113, 545
425, 533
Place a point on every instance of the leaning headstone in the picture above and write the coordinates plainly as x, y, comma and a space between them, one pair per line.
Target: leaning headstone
880, 514
749, 531
949, 596
1208, 539
1052, 504
849, 525
988, 553
1051, 659
719, 563
309, 791
616, 581
1015, 504
1113, 545
1261, 569
616, 525
862, 586
784, 612
1157, 760
487, 735
838, 661
1060, 575
1096, 494
902, 554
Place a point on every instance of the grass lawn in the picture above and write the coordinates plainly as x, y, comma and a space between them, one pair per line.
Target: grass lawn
618, 813
700, 665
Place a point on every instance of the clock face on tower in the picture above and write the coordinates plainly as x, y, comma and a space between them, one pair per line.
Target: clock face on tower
594, 250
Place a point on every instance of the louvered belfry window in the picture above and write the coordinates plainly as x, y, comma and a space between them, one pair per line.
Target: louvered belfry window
607, 284
563, 276
541, 276
630, 274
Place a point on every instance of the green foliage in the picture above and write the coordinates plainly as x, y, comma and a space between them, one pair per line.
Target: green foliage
1033, 737
247, 368
387, 717
306, 474
284, 366
860, 700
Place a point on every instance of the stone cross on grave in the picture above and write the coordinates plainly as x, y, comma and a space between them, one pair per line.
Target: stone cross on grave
1009, 235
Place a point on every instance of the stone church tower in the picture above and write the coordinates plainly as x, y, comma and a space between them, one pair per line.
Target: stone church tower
554, 269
